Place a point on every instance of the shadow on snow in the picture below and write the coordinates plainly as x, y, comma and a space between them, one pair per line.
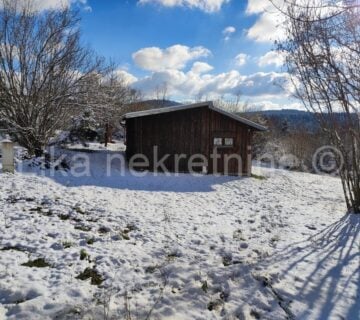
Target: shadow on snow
120, 177
325, 258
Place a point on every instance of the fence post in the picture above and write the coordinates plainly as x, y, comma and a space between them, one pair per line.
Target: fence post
7, 147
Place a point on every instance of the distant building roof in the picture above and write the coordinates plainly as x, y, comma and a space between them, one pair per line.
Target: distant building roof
208, 104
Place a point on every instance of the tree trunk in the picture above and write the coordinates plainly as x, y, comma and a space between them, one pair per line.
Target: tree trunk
34, 146
108, 134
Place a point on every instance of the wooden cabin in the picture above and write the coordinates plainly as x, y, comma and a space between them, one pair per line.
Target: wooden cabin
200, 136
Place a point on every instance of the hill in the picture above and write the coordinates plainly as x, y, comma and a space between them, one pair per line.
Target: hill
294, 119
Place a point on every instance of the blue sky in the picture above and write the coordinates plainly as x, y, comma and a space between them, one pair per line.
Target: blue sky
120, 28
196, 48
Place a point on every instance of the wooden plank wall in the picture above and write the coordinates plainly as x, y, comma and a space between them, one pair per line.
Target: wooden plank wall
224, 127
189, 132
181, 132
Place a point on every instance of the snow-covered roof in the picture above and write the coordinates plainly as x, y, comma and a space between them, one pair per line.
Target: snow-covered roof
208, 104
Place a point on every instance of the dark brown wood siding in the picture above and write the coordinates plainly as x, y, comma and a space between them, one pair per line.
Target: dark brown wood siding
233, 160
174, 133
190, 132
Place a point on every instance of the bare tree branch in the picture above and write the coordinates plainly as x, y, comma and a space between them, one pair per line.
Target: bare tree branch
322, 59
42, 64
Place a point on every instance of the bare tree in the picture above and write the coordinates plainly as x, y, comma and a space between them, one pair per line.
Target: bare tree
108, 96
42, 64
161, 92
233, 105
323, 53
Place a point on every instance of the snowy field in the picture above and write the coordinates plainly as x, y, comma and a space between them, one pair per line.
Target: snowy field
278, 246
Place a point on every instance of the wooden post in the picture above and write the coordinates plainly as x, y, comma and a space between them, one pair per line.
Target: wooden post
249, 154
7, 156
106, 134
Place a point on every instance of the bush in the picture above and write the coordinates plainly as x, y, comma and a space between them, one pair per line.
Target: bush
84, 127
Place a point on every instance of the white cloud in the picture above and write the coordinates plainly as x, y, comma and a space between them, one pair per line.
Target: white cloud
257, 6
175, 57
204, 5
174, 80
257, 84
255, 105
241, 59
228, 31
268, 27
188, 85
201, 67
126, 76
263, 105
270, 24
170, 66
272, 58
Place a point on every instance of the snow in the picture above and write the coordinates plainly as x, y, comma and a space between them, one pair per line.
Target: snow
95, 146
176, 246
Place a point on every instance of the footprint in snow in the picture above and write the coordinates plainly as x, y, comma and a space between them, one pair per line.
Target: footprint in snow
311, 227
244, 245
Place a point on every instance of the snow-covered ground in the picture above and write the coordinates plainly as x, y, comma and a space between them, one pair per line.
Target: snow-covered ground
181, 247
95, 146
